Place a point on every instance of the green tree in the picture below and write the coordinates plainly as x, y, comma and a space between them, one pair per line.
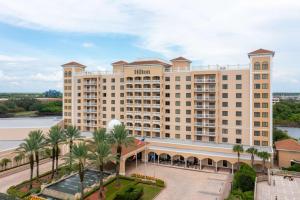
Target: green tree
4, 162
264, 156
18, 158
28, 148
120, 138
101, 154
80, 155
279, 135
238, 149
253, 152
39, 142
54, 138
244, 179
71, 134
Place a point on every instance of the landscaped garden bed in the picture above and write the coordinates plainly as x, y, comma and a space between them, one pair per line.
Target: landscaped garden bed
150, 188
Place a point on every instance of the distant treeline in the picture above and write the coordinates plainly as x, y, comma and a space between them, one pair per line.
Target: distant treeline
287, 113
47, 94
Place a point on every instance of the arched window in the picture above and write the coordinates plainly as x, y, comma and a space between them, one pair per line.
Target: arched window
257, 66
265, 66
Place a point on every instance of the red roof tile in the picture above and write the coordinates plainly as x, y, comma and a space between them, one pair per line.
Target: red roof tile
119, 62
149, 62
288, 145
125, 150
261, 51
180, 58
73, 64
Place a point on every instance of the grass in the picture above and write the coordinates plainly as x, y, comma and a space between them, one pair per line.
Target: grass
150, 191
111, 189
26, 114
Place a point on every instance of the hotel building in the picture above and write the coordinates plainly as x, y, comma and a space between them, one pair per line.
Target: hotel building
179, 109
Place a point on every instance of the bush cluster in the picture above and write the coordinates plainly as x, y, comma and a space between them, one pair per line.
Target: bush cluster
130, 192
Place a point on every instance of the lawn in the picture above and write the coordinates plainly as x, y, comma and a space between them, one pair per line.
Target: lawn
150, 191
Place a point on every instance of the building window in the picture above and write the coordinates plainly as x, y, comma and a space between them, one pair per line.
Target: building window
167, 79
238, 131
188, 103
238, 113
188, 95
265, 105
224, 104
264, 86
188, 87
256, 105
256, 124
177, 95
256, 142
265, 66
256, 76
188, 112
238, 104
238, 77
177, 128
177, 136
265, 95
167, 87
256, 114
177, 111
256, 133
224, 77
238, 122
177, 78
225, 86
256, 86
177, 119
238, 141
188, 78
238, 86
225, 122
224, 131
264, 143
177, 87
188, 120
225, 95
224, 140
264, 133
257, 66
224, 113
256, 95
238, 95
188, 137
177, 103
265, 124
265, 115
167, 135
265, 76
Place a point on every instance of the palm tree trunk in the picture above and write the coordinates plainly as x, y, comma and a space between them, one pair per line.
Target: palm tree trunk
238, 160
252, 160
70, 151
56, 159
81, 176
37, 160
31, 160
264, 163
101, 192
119, 151
53, 160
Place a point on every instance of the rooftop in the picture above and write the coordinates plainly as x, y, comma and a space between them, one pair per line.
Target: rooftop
288, 145
149, 62
261, 51
73, 64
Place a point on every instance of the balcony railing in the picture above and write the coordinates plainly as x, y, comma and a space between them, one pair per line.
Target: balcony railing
90, 97
205, 133
205, 89
205, 98
205, 116
205, 80
155, 129
202, 124
90, 104
204, 107
90, 111
90, 82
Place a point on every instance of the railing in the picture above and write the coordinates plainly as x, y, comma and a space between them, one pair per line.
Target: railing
90, 97
205, 90
205, 116
205, 133
205, 80
90, 111
204, 107
156, 129
90, 83
205, 124
90, 104
205, 98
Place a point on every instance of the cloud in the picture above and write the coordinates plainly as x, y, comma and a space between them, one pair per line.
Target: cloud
88, 44
53, 77
13, 59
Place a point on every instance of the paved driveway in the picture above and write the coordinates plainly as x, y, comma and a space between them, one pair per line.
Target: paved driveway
186, 184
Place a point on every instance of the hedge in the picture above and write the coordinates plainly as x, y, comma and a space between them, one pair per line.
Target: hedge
130, 192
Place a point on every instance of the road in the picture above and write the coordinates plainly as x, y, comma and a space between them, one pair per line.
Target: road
14, 179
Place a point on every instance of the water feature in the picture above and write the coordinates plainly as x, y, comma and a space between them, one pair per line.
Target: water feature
293, 132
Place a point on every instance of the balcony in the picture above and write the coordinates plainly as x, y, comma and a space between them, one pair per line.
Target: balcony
202, 80
205, 89
90, 83
137, 128
156, 113
205, 116
155, 97
90, 124
90, 104
92, 118
156, 129
90, 111
90, 97
197, 98
205, 133
202, 124
204, 107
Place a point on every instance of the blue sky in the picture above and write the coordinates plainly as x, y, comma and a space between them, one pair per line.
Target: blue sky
37, 36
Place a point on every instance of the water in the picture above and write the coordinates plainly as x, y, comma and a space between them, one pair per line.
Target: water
293, 132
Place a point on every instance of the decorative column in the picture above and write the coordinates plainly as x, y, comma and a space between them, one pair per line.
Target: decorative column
216, 166
171, 160
136, 162
232, 170
200, 164
158, 160
185, 163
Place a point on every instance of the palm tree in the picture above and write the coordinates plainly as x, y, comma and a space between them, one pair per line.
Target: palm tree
264, 156
80, 155
4, 162
252, 151
55, 136
238, 149
27, 148
18, 158
120, 137
101, 154
39, 143
71, 134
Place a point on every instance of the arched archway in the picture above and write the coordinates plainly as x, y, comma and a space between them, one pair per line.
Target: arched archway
258, 167
192, 162
165, 159
236, 165
152, 157
224, 166
178, 160
208, 164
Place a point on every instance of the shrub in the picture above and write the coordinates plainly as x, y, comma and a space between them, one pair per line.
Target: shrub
131, 192
239, 195
160, 183
244, 179
13, 191
295, 167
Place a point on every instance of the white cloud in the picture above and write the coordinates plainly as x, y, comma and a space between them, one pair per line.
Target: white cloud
52, 77
13, 59
88, 44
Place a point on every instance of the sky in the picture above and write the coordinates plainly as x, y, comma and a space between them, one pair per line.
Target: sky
38, 36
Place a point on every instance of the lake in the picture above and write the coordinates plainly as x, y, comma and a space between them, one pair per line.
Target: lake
293, 132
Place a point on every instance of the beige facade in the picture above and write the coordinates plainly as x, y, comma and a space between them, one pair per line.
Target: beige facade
218, 105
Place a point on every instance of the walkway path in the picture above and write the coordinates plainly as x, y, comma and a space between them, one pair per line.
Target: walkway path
187, 184
6, 182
